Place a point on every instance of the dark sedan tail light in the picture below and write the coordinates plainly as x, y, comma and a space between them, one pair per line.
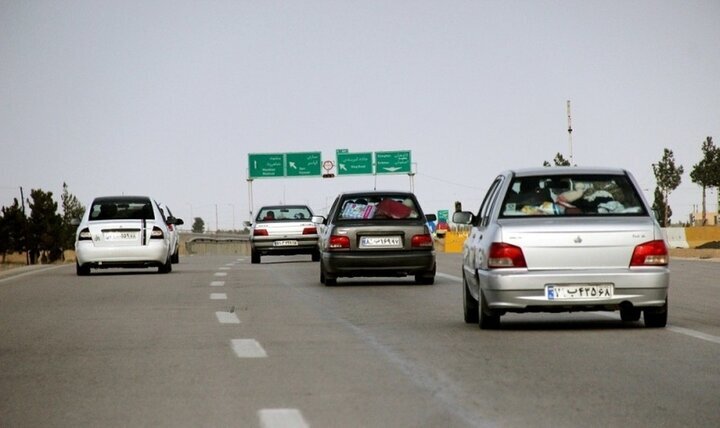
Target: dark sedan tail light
339, 242
85, 235
310, 231
424, 240
653, 253
504, 255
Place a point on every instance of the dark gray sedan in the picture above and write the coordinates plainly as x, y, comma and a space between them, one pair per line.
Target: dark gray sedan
375, 234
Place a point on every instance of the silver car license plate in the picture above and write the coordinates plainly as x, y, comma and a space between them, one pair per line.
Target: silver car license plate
380, 242
579, 292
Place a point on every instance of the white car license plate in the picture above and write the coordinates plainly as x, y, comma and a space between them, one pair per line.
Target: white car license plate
380, 242
121, 236
288, 243
579, 292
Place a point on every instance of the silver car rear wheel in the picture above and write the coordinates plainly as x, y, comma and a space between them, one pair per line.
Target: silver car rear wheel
488, 320
470, 305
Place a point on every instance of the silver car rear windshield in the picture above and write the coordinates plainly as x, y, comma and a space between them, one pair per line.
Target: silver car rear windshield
377, 207
122, 209
572, 195
280, 213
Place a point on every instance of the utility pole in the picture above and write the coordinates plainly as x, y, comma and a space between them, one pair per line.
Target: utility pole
572, 161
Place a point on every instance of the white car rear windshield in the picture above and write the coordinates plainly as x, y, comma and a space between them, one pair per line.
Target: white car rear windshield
284, 213
572, 195
376, 207
125, 209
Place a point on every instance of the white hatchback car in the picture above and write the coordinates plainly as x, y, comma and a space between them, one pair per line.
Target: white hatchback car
563, 240
123, 231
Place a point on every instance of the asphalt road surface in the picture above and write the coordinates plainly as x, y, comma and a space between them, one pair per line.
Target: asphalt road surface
223, 343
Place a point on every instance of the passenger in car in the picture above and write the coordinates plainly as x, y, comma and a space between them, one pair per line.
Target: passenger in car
270, 215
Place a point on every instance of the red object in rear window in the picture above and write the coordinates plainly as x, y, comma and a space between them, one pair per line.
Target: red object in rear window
653, 253
504, 255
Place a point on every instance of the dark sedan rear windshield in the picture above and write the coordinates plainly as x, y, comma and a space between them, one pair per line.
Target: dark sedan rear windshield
284, 213
125, 209
572, 195
374, 207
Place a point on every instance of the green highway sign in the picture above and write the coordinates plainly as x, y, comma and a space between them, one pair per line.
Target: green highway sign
303, 164
397, 162
354, 163
266, 165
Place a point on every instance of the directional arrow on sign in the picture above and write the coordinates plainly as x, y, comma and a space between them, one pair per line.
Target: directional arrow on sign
292, 165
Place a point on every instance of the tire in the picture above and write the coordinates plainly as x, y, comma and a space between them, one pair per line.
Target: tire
630, 314
488, 320
82, 270
316, 256
254, 257
175, 258
167, 267
656, 317
324, 279
322, 275
470, 305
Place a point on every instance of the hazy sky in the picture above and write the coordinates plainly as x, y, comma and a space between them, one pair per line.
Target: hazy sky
167, 98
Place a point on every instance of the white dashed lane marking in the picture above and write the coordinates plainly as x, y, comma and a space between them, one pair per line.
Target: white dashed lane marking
247, 348
224, 268
285, 418
217, 283
218, 296
220, 273
227, 318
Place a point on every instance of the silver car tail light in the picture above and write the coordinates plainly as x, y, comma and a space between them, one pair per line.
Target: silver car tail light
504, 255
310, 231
652, 253
260, 232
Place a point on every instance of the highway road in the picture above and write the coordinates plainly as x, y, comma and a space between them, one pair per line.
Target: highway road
223, 343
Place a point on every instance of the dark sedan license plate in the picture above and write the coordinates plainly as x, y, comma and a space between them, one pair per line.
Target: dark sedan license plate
579, 292
380, 242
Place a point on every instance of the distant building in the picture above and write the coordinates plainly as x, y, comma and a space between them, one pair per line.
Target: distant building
711, 218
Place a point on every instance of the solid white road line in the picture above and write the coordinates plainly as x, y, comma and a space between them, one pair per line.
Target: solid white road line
248, 348
217, 283
227, 318
218, 296
220, 273
282, 418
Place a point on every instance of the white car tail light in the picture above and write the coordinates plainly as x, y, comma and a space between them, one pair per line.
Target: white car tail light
310, 231
157, 233
85, 235
653, 253
260, 232
504, 255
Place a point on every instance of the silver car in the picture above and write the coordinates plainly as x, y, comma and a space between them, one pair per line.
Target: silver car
123, 231
283, 230
562, 240
376, 234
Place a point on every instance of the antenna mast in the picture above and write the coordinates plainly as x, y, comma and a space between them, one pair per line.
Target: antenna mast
572, 162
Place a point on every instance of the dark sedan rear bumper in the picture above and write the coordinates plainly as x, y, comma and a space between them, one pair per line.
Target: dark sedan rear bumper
350, 264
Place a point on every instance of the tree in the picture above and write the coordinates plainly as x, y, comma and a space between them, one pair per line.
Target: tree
44, 227
198, 225
72, 210
660, 207
558, 161
668, 177
706, 173
13, 225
